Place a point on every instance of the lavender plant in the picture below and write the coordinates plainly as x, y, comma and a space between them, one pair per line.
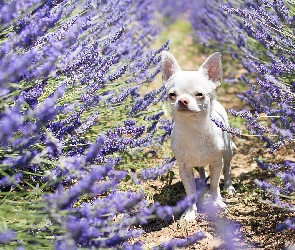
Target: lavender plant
171, 10
73, 123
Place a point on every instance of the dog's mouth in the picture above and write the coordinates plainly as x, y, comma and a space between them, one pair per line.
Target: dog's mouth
186, 110
183, 108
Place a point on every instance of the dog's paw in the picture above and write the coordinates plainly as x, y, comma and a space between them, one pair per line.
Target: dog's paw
218, 203
189, 215
230, 190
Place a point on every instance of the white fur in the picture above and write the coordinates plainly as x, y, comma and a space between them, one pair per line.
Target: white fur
195, 140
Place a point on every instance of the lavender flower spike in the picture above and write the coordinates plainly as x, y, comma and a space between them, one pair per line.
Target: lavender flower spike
233, 131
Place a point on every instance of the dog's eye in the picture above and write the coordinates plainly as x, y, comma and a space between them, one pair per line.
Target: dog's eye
199, 95
172, 95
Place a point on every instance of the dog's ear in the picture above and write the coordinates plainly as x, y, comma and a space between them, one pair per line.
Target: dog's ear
212, 69
169, 66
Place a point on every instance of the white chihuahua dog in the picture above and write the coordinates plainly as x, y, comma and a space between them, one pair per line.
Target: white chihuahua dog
195, 140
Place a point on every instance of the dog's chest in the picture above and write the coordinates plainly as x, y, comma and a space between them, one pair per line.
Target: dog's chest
194, 147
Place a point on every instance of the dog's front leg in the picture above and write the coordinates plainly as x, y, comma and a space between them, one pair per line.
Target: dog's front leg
187, 177
215, 171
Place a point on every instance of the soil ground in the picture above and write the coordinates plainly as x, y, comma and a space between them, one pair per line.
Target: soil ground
247, 221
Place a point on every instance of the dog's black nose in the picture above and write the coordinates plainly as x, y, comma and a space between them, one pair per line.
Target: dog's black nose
183, 102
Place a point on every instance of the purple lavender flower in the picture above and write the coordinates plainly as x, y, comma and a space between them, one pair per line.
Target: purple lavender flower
6, 236
10, 181
10, 121
143, 103
153, 173
233, 131
94, 149
288, 224
128, 246
285, 172
179, 243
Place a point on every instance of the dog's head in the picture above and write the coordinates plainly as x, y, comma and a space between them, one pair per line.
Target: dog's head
191, 91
